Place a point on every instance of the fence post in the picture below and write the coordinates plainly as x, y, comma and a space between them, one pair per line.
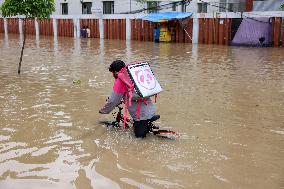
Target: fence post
128, 29
75, 23
36, 27
276, 31
78, 28
20, 26
5, 26
101, 27
195, 30
54, 24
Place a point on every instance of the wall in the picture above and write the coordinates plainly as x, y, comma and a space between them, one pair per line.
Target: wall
210, 28
2, 25
13, 25
74, 6
277, 24
46, 27
93, 25
267, 5
1, 1
124, 6
215, 31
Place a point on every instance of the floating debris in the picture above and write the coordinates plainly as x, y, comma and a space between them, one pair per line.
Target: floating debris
77, 82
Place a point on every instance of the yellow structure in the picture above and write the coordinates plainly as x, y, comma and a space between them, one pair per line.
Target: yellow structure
165, 34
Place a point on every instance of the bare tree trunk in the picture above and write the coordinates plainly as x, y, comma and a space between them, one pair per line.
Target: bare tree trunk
23, 47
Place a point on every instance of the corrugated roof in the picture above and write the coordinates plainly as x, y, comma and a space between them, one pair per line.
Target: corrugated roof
156, 17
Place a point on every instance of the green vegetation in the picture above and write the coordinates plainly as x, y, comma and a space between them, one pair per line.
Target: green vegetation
29, 9
282, 6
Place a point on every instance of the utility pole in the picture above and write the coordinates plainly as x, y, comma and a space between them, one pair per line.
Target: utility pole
183, 8
184, 4
227, 5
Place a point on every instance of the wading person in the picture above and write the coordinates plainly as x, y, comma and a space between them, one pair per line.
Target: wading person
88, 31
157, 34
142, 106
83, 32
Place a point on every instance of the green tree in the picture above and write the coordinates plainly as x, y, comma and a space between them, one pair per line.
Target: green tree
282, 6
30, 9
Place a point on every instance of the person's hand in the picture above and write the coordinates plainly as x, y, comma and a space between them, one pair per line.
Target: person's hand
102, 112
121, 102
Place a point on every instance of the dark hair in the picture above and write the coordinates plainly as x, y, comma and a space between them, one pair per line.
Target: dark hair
116, 66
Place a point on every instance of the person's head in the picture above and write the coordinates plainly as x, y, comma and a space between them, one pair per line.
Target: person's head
116, 66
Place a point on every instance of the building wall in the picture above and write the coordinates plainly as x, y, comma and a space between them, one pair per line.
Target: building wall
74, 6
267, 5
124, 6
1, 1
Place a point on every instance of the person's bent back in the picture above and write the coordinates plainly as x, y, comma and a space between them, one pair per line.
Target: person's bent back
141, 109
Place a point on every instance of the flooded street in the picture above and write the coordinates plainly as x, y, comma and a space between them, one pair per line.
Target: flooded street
227, 102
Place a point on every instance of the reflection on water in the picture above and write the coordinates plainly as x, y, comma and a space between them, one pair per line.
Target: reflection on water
228, 101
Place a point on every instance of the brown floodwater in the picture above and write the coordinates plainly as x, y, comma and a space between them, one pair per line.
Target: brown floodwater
227, 102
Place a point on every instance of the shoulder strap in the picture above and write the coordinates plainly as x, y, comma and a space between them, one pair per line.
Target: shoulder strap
124, 77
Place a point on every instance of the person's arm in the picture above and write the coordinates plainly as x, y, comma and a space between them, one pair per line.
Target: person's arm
111, 103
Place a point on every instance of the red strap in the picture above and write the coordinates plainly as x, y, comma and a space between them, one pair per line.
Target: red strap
138, 106
126, 105
156, 96
124, 77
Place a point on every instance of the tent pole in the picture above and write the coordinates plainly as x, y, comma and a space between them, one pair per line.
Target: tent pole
187, 34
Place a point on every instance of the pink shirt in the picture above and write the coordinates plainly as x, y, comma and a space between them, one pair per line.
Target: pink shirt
119, 87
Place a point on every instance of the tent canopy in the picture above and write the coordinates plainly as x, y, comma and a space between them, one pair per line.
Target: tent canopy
165, 16
254, 32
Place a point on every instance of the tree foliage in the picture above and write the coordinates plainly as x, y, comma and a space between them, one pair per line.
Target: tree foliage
30, 8
282, 6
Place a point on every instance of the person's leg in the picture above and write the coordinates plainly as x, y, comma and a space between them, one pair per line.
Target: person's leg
140, 128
